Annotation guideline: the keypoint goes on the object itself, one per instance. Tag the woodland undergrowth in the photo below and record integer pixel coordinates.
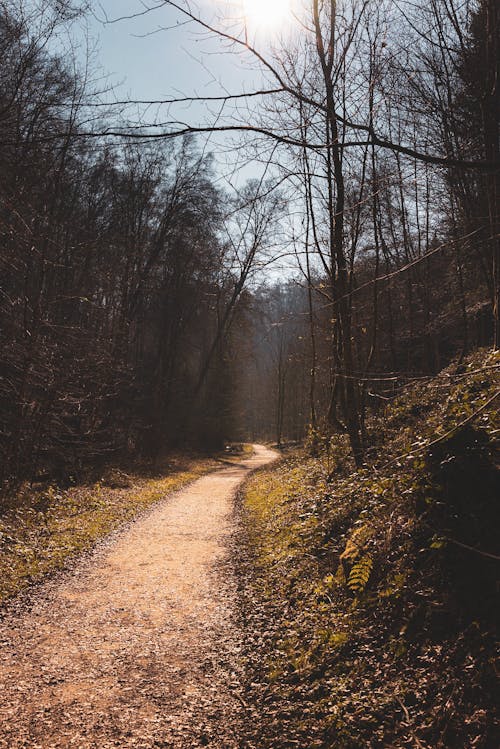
(369, 596)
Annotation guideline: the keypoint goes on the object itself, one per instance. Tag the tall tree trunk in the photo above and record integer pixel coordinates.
(341, 287)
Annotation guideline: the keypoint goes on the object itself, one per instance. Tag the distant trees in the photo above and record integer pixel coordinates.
(274, 382)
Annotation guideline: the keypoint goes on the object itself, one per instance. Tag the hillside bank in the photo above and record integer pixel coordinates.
(369, 595)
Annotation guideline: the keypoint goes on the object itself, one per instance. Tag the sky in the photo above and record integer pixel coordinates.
(151, 62)
(156, 55)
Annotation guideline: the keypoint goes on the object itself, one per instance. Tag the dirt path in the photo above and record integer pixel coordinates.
(137, 645)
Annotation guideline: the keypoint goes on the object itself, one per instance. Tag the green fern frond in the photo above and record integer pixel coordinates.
(360, 574)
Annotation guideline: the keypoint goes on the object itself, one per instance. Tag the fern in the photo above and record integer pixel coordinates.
(360, 574)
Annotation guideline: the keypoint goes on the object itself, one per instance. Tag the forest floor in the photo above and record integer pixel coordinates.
(370, 596)
(136, 645)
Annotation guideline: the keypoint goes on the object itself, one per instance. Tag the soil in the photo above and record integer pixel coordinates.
(138, 645)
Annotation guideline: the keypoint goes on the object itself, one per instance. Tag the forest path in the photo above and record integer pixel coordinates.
(137, 645)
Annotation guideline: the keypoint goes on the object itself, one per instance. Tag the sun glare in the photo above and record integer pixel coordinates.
(267, 14)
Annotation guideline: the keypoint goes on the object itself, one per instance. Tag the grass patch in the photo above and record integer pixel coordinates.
(369, 600)
(42, 530)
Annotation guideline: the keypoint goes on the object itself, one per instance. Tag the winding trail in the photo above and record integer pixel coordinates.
(137, 646)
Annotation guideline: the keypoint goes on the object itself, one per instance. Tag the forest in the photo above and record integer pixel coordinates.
(137, 311)
(341, 303)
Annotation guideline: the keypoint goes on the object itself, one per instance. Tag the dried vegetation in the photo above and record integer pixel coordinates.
(369, 595)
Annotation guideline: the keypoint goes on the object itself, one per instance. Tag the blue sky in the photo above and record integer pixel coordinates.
(153, 63)
(145, 61)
